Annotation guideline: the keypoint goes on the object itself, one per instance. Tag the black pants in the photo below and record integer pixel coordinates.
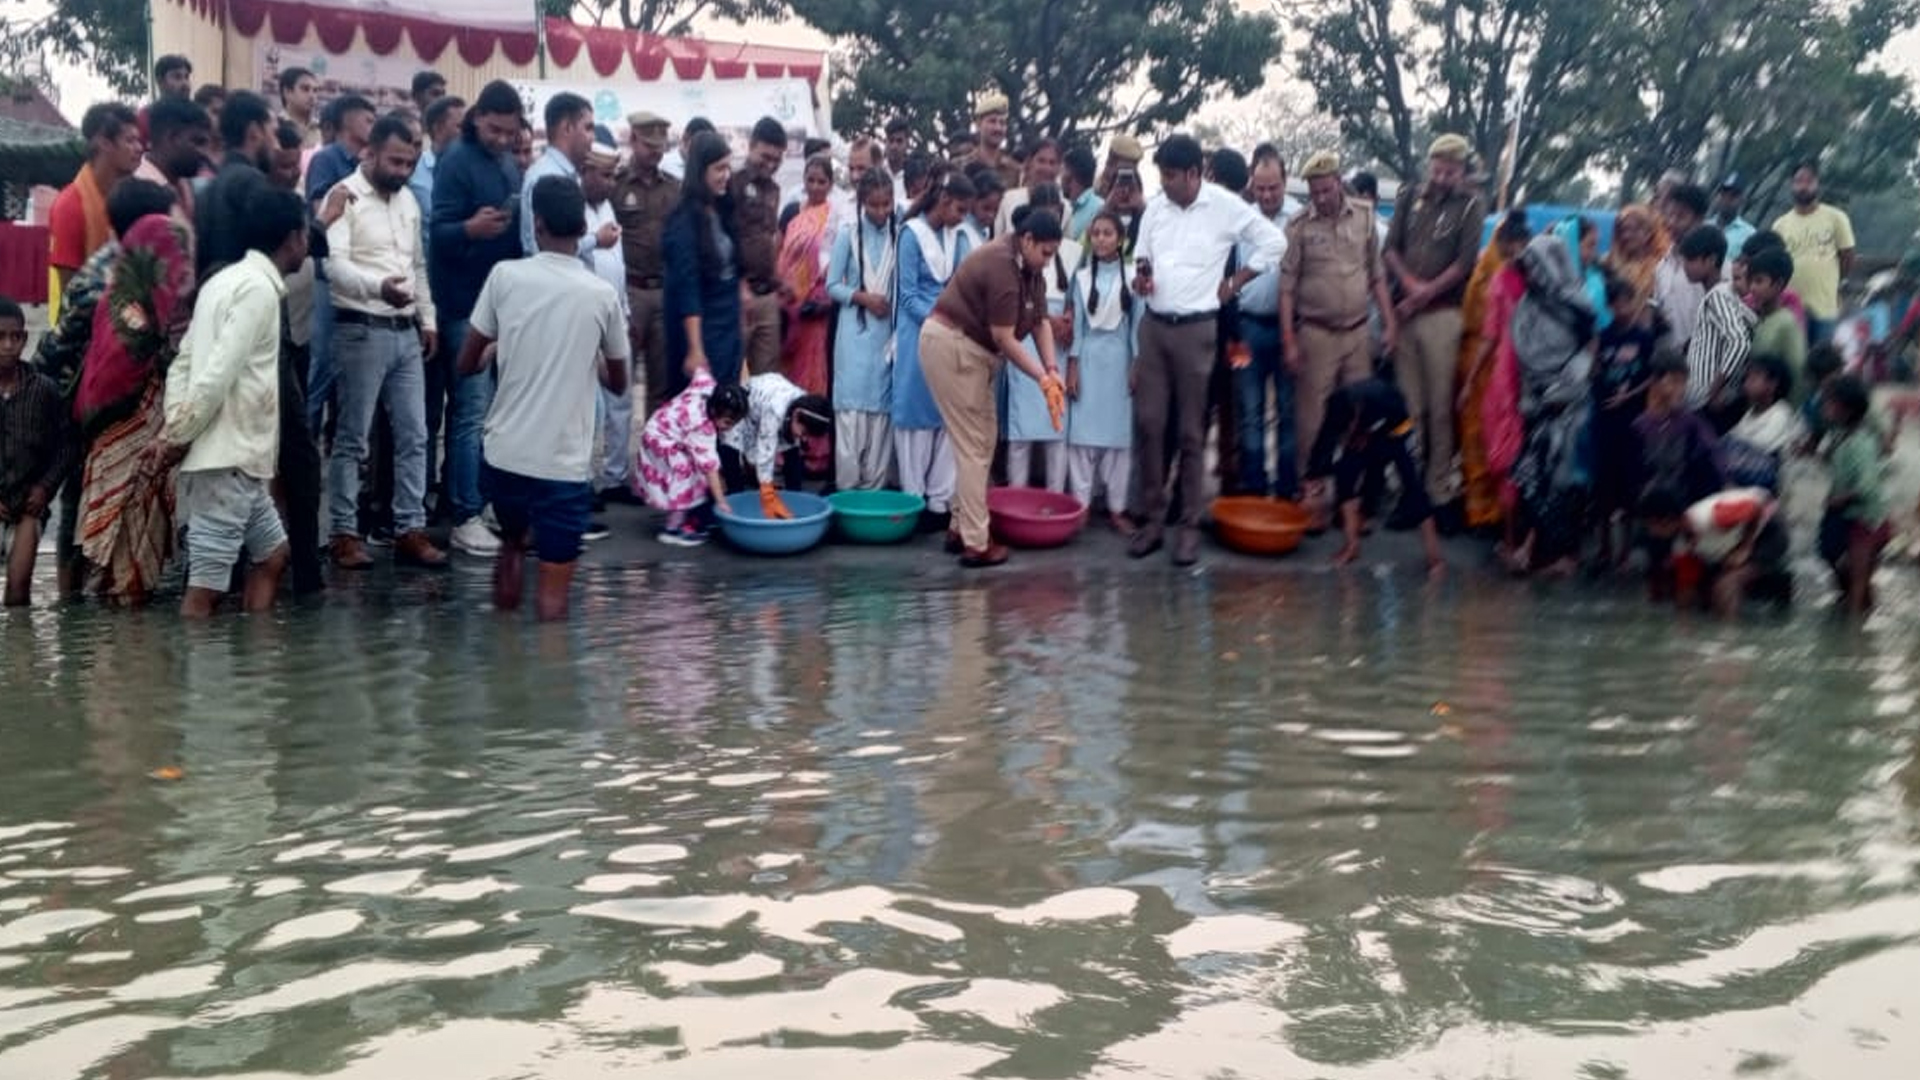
(1361, 471)
(299, 473)
(734, 473)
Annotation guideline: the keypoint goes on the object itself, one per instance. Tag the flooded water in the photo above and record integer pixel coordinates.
(1084, 823)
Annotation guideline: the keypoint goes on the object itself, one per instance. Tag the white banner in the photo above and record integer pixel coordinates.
(387, 81)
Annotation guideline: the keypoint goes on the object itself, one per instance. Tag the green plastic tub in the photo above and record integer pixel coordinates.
(876, 517)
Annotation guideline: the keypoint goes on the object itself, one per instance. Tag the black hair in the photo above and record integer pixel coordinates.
(818, 161)
(424, 81)
(107, 119)
(559, 204)
(1367, 186)
(1811, 165)
(1760, 241)
(1776, 371)
(132, 199)
(169, 116)
(1823, 360)
(1772, 263)
(389, 127)
(770, 132)
(169, 64)
(1266, 152)
(291, 77)
(1662, 501)
(287, 136)
(437, 113)
(1079, 163)
(269, 216)
(1693, 197)
(1044, 142)
(1119, 260)
(1848, 394)
(946, 181)
(1230, 170)
(243, 110)
(338, 108)
(965, 138)
(874, 180)
(205, 97)
(916, 167)
(1043, 226)
(1041, 196)
(11, 309)
(985, 181)
(812, 148)
(1586, 226)
(814, 412)
(563, 107)
(695, 126)
(1618, 288)
(497, 98)
(899, 125)
(706, 149)
(728, 402)
(1179, 152)
(1514, 229)
(1704, 242)
(1667, 360)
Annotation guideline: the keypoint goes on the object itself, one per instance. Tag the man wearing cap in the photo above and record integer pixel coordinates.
(1187, 234)
(642, 200)
(990, 120)
(1329, 276)
(1123, 152)
(1726, 215)
(608, 261)
(1127, 198)
(756, 209)
(1431, 248)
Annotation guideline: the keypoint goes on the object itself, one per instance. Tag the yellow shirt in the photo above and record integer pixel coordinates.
(1815, 240)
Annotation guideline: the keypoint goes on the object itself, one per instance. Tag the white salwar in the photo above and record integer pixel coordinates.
(926, 466)
(862, 449)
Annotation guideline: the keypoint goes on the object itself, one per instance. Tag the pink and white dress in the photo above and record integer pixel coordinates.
(678, 448)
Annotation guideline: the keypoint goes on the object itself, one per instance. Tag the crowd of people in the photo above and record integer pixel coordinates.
(420, 317)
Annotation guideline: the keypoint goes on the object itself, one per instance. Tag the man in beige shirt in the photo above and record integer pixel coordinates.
(383, 327)
(1329, 275)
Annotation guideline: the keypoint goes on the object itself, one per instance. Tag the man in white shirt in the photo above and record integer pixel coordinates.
(1186, 235)
(609, 263)
(1678, 295)
(559, 334)
(223, 411)
(384, 327)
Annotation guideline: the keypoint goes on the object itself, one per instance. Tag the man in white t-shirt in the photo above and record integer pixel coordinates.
(554, 331)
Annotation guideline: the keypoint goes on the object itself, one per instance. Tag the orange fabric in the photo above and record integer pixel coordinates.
(1639, 272)
(1481, 486)
(77, 224)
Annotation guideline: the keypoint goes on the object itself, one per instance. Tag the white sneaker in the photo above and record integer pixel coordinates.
(473, 537)
(487, 518)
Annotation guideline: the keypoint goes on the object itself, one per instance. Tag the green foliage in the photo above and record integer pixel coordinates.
(1069, 67)
(659, 16)
(109, 36)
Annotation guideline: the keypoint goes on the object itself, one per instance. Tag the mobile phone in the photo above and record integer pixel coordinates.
(1143, 267)
(506, 206)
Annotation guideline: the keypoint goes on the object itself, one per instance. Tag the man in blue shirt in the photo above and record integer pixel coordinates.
(476, 203)
(352, 118)
(569, 140)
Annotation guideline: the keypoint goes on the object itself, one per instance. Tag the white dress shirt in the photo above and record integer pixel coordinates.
(1189, 245)
(376, 239)
(609, 263)
(223, 389)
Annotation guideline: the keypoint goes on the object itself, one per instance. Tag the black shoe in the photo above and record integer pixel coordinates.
(1451, 519)
(931, 522)
(599, 503)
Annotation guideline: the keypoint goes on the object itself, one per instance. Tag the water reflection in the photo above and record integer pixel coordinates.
(1084, 824)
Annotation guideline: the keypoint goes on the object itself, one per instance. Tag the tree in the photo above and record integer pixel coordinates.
(110, 36)
(1068, 67)
(1284, 116)
(659, 16)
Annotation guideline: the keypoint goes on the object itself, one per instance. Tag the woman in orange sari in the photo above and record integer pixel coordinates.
(1482, 488)
(1639, 243)
(804, 250)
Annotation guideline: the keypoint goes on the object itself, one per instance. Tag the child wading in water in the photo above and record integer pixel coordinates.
(1621, 373)
(1367, 431)
(679, 464)
(35, 449)
(1100, 419)
(1855, 529)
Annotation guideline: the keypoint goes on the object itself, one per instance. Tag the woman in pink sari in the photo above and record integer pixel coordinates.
(1500, 425)
(804, 249)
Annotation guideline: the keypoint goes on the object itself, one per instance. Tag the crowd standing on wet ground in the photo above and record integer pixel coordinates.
(427, 324)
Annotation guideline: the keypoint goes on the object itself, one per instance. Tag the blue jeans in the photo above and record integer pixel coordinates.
(321, 370)
(378, 366)
(1820, 331)
(472, 397)
(1250, 392)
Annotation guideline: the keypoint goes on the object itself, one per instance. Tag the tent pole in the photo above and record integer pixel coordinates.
(540, 35)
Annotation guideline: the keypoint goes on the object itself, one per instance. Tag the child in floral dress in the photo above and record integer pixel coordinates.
(679, 461)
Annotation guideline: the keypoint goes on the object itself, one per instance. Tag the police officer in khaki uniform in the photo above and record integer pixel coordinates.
(990, 123)
(1123, 152)
(641, 203)
(1329, 275)
(1431, 248)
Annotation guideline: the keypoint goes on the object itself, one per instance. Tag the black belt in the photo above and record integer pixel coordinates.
(378, 322)
(1182, 320)
(1331, 328)
(646, 282)
(1272, 321)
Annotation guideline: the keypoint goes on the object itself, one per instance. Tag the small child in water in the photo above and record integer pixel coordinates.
(1367, 431)
(679, 462)
(1855, 529)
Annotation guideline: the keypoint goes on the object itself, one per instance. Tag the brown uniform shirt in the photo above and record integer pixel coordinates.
(1432, 234)
(641, 204)
(1007, 170)
(1331, 265)
(991, 288)
(756, 220)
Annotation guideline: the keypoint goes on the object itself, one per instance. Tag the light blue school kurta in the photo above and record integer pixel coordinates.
(913, 405)
(1102, 416)
(1027, 419)
(862, 379)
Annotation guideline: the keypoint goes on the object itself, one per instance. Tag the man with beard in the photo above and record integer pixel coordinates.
(182, 144)
(383, 325)
(899, 147)
(990, 121)
(1820, 239)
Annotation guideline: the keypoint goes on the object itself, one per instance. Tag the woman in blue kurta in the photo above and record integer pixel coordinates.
(1028, 425)
(931, 246)
(702, 298)
(1100, 418)
(860, 280)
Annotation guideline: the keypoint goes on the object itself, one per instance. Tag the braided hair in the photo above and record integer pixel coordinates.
(874, 181)
(1119, 261)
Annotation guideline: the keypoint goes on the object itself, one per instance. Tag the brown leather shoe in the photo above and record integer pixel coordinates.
(349, 553)
(414, 549)
(1145, 542)
(991, 555)
(1186, 547)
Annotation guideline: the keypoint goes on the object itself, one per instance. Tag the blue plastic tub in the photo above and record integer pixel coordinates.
(746, 528)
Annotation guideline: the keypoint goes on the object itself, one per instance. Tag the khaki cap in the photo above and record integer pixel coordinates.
(1451, 148)
(991, 103)
(1125, 148)
(1321, 163)
(643, 121)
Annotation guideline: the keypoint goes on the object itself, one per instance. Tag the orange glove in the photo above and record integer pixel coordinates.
(1239, 355)
(1056, 392)
(772, 506)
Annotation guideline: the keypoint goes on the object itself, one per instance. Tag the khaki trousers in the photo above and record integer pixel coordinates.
(1426, 365)
(1329, 360)
(647, 334)
(760, 332)
(1175, 368)
(960, 374)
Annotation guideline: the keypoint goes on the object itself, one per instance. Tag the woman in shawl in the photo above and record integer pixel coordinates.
(1028, 426)
(1490, 390)
(1582, 238)
(861, 280)
(931, 246)
(126, 509)
(702, 297)
(1639, 243)
(802, 270)
(1552, 339)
